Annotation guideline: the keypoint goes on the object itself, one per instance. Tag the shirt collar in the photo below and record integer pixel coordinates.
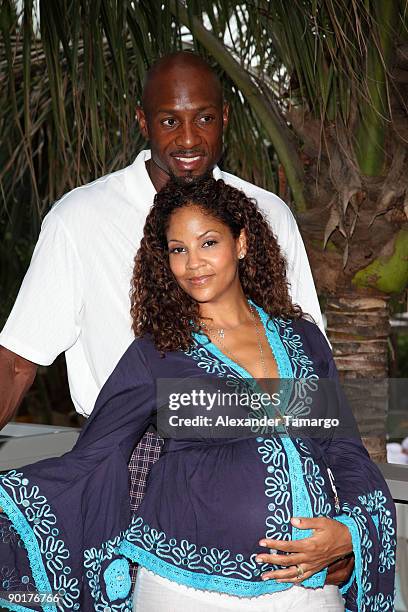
(142, 174)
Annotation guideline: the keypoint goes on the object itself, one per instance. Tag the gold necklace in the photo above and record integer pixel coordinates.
(221, 333)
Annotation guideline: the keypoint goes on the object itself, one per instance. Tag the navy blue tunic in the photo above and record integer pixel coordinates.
(69, 530)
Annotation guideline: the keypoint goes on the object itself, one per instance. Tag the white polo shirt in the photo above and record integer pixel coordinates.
(75, 295)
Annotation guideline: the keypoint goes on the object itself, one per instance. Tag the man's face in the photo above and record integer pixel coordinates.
(184, 119)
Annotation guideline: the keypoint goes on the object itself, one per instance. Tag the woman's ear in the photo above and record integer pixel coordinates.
(242, 246)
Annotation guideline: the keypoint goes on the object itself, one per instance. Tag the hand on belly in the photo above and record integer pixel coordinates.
(330, 541)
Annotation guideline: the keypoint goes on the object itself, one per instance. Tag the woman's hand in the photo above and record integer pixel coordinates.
(330, 541)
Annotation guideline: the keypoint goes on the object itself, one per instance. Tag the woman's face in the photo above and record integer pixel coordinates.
(203, 254)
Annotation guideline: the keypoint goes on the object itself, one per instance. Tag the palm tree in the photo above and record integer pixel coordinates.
(318, 114)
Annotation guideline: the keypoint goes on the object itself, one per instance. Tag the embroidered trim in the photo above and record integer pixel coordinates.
(315, 483)
(34, 522)
(93, 561)
(8, 605)
(375, 504)
(208, 363)
(29, 540)
(206, 582)
(372, 502)
(281, 356)
(278, 484)
(284, 343)
(190, 556)
(349, 522)
(222, 358)
(301, 364)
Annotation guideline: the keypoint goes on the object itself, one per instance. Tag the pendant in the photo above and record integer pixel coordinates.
(221, 333)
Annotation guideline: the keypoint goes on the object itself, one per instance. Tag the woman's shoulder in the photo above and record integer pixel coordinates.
(308, 332)
(143, 348)
(138, 358)
(306, 325)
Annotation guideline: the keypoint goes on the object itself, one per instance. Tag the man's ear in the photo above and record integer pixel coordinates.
(142, 121)
(225, 115)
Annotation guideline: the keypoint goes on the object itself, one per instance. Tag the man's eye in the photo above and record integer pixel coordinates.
(210, 242)
(206, 119)
(169, 122)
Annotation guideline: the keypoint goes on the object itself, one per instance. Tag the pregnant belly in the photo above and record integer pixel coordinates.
(213, 495)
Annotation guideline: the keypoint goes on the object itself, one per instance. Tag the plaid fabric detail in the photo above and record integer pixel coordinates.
(144, 456)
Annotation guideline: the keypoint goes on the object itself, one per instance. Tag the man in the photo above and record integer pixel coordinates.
(75, 295)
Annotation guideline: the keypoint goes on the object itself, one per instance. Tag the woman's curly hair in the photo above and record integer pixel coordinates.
(158, 304)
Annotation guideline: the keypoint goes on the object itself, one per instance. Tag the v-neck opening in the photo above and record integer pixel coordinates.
(274, 342)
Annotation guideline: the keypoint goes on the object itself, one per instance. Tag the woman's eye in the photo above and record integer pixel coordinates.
(210, 242)
(169, 122)
(176, 250)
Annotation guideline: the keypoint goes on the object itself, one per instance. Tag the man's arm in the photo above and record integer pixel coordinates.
(16, 377)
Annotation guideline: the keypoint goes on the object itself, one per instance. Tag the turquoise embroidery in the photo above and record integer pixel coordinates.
(8, 605)
(315, 484)
(277, 488)
(286, 480)
(94, 560)
(117, 579)
(209, 582)
(376, 521)
(314, 481)
(224, 366)
(302, 366)
(35, 523)
(358, 564)
(281, 356)
(382, 603)
(184, 562)
(241, 588)
(374, 504)
(205, 361)
(284, 485)
(189, 556)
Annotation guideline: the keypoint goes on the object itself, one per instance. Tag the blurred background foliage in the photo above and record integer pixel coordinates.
(318, 92)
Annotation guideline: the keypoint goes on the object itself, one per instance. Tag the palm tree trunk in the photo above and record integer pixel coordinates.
(358, 328)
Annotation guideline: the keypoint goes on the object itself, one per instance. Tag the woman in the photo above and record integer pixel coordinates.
(209, 300)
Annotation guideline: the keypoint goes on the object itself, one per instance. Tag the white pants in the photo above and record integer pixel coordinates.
(156, 594)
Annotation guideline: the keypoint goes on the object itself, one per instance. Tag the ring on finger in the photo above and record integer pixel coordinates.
(300, 572)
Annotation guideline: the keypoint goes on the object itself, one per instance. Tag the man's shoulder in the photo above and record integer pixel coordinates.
(93, 206)
(267, 201)
(93, 193)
